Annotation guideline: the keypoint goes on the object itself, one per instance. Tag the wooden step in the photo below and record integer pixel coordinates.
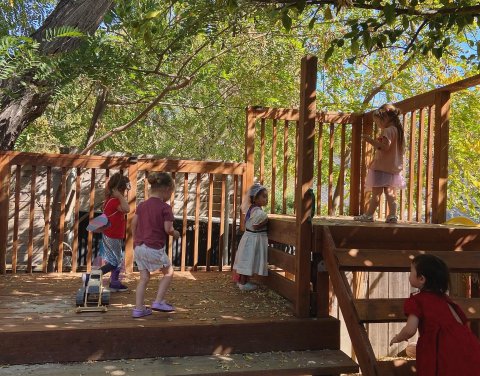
(322, 362)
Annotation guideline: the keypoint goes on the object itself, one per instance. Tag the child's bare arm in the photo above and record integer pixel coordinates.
(134, 225)
(168, 226)
(407, 331)
(123, 207)
(383, 144)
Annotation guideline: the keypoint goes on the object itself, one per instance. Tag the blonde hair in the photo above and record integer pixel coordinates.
(390, 112)
(160, 180)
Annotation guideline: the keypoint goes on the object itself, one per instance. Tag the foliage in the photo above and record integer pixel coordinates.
(413, 26)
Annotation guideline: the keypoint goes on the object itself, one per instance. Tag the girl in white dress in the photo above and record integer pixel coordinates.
(251, 257)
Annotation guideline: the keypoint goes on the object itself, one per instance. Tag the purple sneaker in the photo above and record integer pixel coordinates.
(137, 313)
(116, 286)
(162, 306)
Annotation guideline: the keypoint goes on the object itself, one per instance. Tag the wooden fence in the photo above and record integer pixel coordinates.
(35, 186)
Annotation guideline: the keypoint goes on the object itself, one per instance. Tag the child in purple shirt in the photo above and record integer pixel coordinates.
(152, 222)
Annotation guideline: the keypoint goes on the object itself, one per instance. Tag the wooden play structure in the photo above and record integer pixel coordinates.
(320, 260)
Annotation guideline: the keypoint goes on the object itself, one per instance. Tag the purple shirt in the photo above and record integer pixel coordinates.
(152, 215)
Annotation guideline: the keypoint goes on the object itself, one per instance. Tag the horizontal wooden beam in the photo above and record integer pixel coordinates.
(282, 229)
(281, 285)
(393, 260)
(281, 260)
(290, 114)
(391, 309)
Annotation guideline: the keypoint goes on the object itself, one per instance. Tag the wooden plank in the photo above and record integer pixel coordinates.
(18, 180)
(262, 151)
(355, 168)
(188, 166)
(184, 222)
(221, 234)
(440, 163)
(330, 168)
(233, 251)
(170, 238)
(341, 177)
(61, 227)
(361, 344)
(391, 309)
(281, 260)
(31, 217)
(294, 115)
(400, 260)
(197, 221)
(274, 167)
(429, 167)
(91, 214)
(303, 200)
(282, 230)
(319, 167)
(285, 168)
(411, 164)
(4, 208)
(76, 215)
(209, 225)
(421, 142)
(46, 232)
(281, 285)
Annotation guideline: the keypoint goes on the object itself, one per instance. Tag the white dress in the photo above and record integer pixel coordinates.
(251, 257)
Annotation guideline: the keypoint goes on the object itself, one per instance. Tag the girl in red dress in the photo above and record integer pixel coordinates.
(446, 346)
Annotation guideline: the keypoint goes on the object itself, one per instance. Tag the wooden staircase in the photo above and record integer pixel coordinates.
(390, 249)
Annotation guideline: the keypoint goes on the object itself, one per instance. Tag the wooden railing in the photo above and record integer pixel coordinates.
(35, 185)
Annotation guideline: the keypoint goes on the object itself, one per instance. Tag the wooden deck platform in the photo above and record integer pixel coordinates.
(38, 322)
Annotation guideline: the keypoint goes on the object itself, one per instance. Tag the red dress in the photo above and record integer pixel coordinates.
(445, 347)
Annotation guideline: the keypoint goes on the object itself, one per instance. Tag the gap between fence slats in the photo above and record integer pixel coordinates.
(429, 168)
(91, 214)
(234, 222)
(285, 167)
(421, 137)
(184, 222)
(221, 236)
(170, 238)
(274, 166)
(330, 168)
(46, 232)
(76, 221)
(61, 232)
(319, 167)
(197, 221)
(209, 227)
(411, 165)
(262, 151)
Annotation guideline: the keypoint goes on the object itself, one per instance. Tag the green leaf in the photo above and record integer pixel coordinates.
(389, 11)
(328, 53)
(367, 40)
(286, 21)
(311, 24)
(152, 14)
(354, 47)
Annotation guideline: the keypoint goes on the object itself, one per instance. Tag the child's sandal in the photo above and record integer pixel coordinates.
(363, 218)
(391, 219)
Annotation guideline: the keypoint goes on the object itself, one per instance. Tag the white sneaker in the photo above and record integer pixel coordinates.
(247, 286)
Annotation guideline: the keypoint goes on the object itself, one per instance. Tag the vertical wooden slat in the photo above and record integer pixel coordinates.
(421, 136)
(76, 220)
(341, 179)
(145, 185)
(262, 152)
(197, 221)
(303, 200)
(285, 168)
(31, 218)
(18, 178)
(440, 163)
(234, 221)
(249, 153)
(184, 222)
(411, 165)
(296, 166)
(132, 204)
(91, 214)
(61, 231)
(170, 238)
(4, 209)
(274, 166)
(402, 192)
(367, 155)
(355, 168)
(209, 226)
(221, 237)
(330, 169)
(319, 167)
(46, 231)
(429, 172)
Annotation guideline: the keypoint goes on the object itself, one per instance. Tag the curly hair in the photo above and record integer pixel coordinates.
(390, 112)
(117, 181)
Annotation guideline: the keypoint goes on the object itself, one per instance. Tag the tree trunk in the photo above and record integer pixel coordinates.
(23, 100)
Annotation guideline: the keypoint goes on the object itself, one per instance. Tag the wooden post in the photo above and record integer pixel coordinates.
(132, 197)
(303, 201)
(249, 175)
(4, 199)
(355, 176)
(440, 157)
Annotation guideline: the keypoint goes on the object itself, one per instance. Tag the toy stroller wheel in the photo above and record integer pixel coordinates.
(105, 297)
(80, 299)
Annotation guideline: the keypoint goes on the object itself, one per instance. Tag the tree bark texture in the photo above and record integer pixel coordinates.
(23, 99)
